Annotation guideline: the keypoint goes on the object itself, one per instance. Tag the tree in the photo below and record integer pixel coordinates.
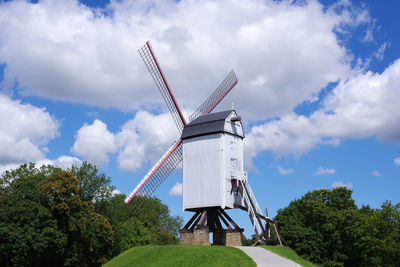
(249, 241)
(89, 234)
(55, 217)
(388, 234)
(326, 227)
(29, 234)
(94, 186)
(151, 225)
(45, 222)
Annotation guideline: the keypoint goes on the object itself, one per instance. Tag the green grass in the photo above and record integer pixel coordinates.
(182, 256)
(289, 254)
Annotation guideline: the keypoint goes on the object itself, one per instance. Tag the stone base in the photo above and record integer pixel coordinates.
(186, 237)
(234, 239)
(201, 236)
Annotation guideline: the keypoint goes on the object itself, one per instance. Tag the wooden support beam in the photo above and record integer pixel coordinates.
(264, 218)
(196, 222)
(218, 223)
(277, 233)
(251, 218)
(203, 218)
(211, 218)
(267, 232)
(254, 207)
(191, 220)
(225, 221)
(229, 219)
(239, 207)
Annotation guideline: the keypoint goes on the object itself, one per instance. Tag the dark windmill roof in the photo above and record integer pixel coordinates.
(207, 124)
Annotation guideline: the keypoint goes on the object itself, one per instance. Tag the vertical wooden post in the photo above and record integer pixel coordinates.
(277, 233)
(268, 232)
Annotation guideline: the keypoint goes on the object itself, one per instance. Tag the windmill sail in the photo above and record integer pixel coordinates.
(154, 178)
(216, 97)
(154, 68)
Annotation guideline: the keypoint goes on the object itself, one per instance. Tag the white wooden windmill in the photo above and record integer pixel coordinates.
(211, 147)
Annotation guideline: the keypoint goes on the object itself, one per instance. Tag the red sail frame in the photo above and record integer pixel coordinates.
(212, 101)
(150, 60)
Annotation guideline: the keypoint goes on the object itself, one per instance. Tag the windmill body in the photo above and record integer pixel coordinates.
(212, 161)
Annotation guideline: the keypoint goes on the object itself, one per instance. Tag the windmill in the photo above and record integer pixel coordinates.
(211, 148)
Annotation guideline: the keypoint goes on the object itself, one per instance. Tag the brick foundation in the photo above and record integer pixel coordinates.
(186, 237)
(201, 236)
(234, 239)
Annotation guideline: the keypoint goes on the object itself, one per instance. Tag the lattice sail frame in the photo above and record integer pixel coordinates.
(168, 162)
(149, 59)
(156, 176)
(222, 90)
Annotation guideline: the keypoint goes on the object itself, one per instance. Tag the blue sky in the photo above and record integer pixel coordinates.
(318, 89)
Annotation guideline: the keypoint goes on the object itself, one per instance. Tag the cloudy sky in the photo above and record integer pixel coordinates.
(319, 89)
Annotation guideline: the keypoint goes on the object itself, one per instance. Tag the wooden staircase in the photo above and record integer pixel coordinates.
(261, 224)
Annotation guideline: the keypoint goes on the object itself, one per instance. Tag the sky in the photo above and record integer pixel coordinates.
(319, 90)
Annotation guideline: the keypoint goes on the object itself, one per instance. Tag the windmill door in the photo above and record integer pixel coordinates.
(233, 168)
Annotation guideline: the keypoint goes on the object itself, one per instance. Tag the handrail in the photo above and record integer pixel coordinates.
(250, 211)
(258, 209)
(251, 202)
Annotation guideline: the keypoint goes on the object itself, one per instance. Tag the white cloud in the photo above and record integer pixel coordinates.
(341, 184)
(283, 171)
(363, 105)
(94, 143)
(381, 51)
(116, 192)
(176, 190)
(66, 162)
(64, 50)
(368, 37)
(63, 162)
(397, 161)
(144, 138)
(8, 167)
(377, 173)
(291, 134)
(325, 171)
(25, 130)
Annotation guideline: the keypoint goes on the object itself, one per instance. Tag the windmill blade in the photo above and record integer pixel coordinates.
(216, 97)
(154, 68)
(153, 179)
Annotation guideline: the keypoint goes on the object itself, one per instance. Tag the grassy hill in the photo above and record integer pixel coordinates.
(181, 256)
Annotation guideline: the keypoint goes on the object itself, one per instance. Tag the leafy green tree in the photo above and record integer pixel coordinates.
(29, 234)
(89, 234)
(388, 218)
(151, 225)
(45, 222)
(55, 217)
(156, 216)
(313, 225)
(249, 241)
(326, 227)
(94, 186)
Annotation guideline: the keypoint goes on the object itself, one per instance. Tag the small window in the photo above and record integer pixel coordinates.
(235, 164)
